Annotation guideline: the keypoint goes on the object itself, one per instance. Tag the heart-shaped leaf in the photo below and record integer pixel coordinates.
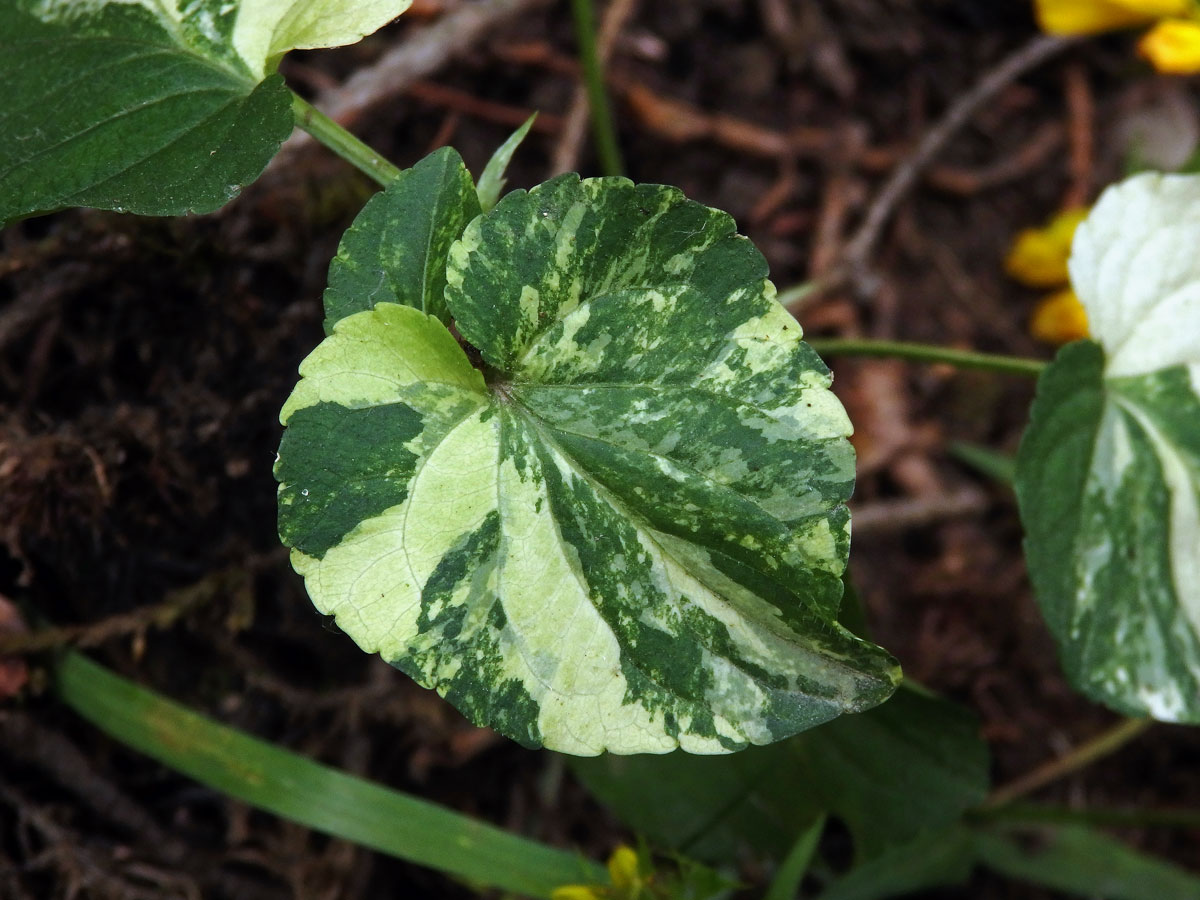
(1108, 476)
(627, 530)
(158, 107)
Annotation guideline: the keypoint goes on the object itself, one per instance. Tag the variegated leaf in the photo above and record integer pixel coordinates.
(1108, 475)
(626, 531)
(158, 107)
(395, 252)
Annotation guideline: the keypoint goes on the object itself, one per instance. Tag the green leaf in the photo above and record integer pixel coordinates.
(933, 859)
(786, 883)
(138, 123)
(395, 252)
(492, 181)
(631, 535)
(304, 791)
(158, 107)
(1108, 475)
(1086, 862)
(714, 808)
(914, 764)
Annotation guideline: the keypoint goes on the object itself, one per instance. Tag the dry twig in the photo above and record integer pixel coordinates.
(854, 267)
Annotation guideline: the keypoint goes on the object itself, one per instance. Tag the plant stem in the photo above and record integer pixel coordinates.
(603, 130)
(342, 142)
(1082, 756)
(928, 353)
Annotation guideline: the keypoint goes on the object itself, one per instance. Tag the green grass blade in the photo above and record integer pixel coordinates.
(786, 884)
(314, 795)
(985, 461)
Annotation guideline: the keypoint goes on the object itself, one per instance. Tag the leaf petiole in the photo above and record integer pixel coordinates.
(342, 142)
(928, 353)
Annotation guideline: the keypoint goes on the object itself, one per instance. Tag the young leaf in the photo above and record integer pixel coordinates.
(157, 107)
(1108, 474)
(630, 536)
(395, 252)
(492, 181)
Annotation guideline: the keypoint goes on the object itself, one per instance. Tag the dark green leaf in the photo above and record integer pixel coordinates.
(934, 859)
(914, 764)
(1086, 862)
(395, 252)
(117, 115)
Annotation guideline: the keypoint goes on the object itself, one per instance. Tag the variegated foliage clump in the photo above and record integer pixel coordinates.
(612, 515)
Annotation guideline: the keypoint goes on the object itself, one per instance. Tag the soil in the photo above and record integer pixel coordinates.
(143, 363)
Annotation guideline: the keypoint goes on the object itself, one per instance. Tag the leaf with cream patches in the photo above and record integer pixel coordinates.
(627, 531)
(160, 107)
(395, 252)
(1108, 476)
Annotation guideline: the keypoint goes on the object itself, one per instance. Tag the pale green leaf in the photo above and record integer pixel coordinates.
(1108, 476)
(630, 535)
(492, 180)
(266, 29)
(395, 252)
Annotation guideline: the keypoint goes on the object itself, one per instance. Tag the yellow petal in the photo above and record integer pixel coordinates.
(1039, 255)
(1173, 46)
(623, 870)
(575, 892)
(1094, 16)
(1059, 319)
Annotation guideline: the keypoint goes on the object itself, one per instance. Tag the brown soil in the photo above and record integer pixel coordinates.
(143, 363)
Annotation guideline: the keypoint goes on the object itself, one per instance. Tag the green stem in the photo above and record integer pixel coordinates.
(342, 142)
(603, 130)
(928, 353)
(1081, 757)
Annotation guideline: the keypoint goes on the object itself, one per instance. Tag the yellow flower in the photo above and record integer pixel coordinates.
(1039, 255)
(1039, 259)
(1095, 16)
(575, 892)
(624, 875)
(1173, 46)
(1058, 319)
(623, 871)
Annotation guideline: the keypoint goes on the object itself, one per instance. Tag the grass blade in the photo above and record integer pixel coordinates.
(323, 798)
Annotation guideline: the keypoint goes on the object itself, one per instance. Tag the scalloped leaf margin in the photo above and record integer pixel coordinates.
(1108, 475)
(625, 531)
